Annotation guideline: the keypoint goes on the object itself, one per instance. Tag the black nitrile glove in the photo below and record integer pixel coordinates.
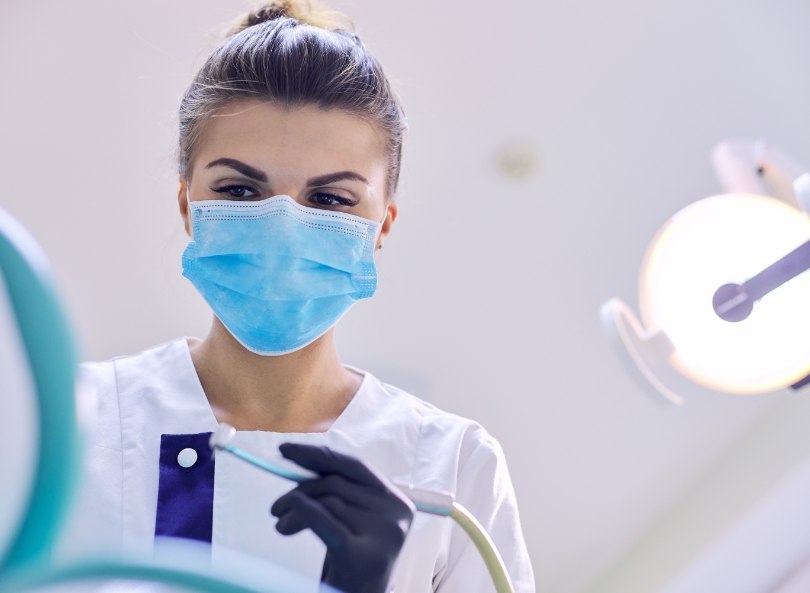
(361, 518)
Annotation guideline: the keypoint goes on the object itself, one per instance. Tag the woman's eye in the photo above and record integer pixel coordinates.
(238, 192)
(326, 199)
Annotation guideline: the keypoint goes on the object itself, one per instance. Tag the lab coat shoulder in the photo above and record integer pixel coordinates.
(448, 444)
(458, 455)
(484, 484)
(485, 489)
(99, 382)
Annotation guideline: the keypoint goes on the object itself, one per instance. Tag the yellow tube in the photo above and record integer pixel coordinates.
(486, 548)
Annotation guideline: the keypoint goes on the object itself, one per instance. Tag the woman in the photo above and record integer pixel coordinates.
(289, 156)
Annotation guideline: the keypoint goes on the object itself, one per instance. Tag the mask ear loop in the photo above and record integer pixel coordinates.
(188, 222)
(382, 222)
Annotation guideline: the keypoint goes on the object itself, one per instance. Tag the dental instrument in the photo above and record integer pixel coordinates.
(435, 503)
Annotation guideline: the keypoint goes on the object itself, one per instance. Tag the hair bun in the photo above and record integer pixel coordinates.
(303, 11)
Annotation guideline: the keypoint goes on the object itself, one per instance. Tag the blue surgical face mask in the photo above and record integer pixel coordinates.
(279, 275)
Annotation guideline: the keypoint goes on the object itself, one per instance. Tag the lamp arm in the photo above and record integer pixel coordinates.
(787, 179)
(735, 302)
(779, 272)
(754, 167)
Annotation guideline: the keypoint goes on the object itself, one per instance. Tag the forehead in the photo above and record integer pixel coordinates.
(303, 139)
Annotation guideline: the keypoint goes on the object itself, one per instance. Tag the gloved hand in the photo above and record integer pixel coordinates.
(359, 515)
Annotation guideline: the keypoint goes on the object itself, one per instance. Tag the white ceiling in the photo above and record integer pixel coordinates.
(490, 286)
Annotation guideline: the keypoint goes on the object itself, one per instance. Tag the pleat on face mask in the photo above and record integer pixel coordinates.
(279, 275)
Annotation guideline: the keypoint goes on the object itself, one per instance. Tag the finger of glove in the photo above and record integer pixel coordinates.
(358, 520)
(357, 495)
(355, 519)
(351, 503)
(324, 461)
(382, 528)
(289, 524)
(354, 515)
(310, 514)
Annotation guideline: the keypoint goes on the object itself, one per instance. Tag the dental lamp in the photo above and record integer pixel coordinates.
(724, 301)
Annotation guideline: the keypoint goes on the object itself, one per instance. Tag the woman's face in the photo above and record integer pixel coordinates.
(252, 150)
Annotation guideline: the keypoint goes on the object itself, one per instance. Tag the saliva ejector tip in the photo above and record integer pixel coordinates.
(221, 436)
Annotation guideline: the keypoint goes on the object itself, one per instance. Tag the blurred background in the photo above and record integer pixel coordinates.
(548, 141)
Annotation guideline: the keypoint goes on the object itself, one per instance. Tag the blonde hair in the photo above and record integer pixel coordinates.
(305, 12)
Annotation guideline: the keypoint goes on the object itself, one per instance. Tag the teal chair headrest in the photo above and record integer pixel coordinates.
(46, 345)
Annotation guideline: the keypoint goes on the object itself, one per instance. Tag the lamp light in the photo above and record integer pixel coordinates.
(722, 295)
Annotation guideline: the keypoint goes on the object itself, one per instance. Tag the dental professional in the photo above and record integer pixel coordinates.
(290, 139)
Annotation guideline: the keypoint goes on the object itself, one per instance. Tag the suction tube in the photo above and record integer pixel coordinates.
(433, 503)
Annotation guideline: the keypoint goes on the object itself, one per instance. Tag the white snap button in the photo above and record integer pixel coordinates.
(187, 457)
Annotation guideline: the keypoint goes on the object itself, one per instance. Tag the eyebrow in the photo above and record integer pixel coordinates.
(335, 177)
(243, 168)
(258, 175)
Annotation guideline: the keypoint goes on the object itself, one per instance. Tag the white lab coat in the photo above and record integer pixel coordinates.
(412, 442)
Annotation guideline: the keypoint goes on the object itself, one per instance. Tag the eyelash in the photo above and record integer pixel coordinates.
(338, 200)
(228, 188)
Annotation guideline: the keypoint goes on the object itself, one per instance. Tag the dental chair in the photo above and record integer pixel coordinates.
(42, 454)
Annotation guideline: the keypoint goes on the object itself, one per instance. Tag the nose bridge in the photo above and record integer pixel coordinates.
(287, 185)
(286, 190)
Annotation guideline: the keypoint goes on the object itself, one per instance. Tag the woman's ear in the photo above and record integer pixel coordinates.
(387, 223)
(182, 202)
